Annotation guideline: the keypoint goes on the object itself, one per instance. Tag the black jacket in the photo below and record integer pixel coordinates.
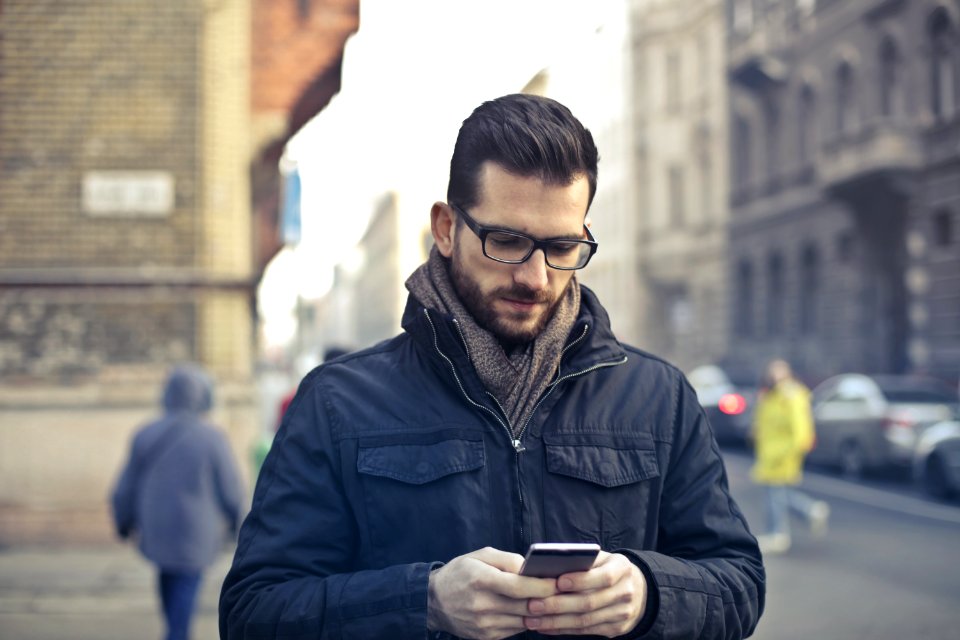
(395, 459)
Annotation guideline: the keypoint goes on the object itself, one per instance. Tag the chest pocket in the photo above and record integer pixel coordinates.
(424, 501)
(606, 492)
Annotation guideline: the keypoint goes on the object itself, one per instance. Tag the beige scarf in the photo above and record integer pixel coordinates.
(516, 380)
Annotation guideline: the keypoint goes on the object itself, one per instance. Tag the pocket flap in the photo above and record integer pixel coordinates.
(606, 466)
(421, 463)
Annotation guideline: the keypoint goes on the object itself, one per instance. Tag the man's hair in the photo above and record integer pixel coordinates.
(526, 135)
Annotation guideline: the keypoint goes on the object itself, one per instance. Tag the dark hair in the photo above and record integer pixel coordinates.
(526, 135)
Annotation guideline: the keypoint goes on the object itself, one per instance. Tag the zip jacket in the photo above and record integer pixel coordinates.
(395, 459)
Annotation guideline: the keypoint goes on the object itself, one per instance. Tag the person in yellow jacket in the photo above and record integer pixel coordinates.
(783, 434)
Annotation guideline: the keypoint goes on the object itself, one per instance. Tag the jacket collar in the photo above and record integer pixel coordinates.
(597, 344)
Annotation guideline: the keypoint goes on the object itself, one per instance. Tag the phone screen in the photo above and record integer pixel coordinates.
(552, 559)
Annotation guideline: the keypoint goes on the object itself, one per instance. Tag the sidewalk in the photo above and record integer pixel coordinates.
(92, 594)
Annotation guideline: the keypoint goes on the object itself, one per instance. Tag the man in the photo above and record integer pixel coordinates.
(409, 478)
(783, 435)
(181, 493)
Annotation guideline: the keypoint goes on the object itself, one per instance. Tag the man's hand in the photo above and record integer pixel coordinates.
(608, 600)
(480, 595)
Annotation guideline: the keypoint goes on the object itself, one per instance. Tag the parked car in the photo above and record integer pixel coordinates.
(936, 460)
(728, 405)
(867, 423)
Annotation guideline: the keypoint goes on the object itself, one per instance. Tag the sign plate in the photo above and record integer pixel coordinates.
(135, 193)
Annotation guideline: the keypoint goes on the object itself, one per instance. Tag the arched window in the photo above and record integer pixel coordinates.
(775, 295)
(809, 289)
(846, 98)
(743, 322)
(890, 104)
(772, 137)
(742, 158)
(943, 228)
(942, 70)
(807, 129)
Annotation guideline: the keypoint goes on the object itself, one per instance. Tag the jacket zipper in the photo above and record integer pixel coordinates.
(504, 422)
(453, 370)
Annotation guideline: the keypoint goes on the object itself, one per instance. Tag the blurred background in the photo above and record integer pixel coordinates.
(247, 183)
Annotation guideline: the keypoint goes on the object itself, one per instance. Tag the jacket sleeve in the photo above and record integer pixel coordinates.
(706, 574)
(229, 487)
(292, 576)
(123, 499)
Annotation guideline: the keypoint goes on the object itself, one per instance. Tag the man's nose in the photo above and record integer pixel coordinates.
(533, 272)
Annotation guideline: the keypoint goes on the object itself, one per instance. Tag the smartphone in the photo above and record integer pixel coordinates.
(552, 559)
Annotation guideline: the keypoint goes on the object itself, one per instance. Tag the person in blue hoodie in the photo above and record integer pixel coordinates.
(180, 494)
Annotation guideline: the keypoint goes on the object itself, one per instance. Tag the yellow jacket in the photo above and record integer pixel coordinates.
(783, 433)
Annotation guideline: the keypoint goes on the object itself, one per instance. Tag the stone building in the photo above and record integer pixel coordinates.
(680, 128)
(127, 236)
(846, 184)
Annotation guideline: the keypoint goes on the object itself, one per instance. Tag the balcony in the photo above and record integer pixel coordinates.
(881, 158)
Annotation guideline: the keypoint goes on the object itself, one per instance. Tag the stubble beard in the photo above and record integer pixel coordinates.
(509, 332)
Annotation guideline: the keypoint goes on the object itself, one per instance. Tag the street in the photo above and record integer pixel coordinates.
(888, 568)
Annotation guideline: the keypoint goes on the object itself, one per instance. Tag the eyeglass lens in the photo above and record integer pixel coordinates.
(501, 245)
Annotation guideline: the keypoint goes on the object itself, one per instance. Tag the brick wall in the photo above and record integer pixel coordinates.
(95, 306)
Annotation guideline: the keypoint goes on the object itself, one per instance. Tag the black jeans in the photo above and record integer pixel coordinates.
(178, 595)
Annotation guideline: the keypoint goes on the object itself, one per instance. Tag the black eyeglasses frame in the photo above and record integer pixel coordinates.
(481, 231)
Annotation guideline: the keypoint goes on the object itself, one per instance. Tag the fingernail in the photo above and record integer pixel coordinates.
(565, 584)
(536, 606)
(532, 623)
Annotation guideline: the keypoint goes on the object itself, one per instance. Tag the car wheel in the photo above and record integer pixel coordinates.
(852, 462)
(935, 478)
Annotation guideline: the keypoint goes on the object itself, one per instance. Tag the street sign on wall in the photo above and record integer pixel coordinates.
(131, 193)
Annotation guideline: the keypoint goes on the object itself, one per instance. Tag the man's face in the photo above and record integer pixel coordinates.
(515, 301)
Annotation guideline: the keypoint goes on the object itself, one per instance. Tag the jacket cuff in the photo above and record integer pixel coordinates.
(653, 596)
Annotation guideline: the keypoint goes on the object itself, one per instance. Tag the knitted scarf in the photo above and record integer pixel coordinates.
(518, 379)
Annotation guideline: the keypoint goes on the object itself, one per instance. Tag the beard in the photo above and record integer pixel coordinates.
(510, 330)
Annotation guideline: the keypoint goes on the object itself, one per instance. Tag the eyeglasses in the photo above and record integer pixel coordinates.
(513, 247)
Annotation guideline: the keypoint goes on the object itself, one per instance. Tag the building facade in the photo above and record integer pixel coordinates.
(680, 168)
(846, 185)
(125, 240)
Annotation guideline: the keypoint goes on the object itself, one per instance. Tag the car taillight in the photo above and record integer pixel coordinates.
(732, 404)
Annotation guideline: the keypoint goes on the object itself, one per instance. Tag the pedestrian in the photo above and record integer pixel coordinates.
(180, 494)
(409, 478)
(260, 448)
(783, 434)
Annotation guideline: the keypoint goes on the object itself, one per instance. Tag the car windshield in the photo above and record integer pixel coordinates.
(917, 393)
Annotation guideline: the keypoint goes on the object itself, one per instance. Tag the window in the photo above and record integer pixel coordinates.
(807, 126)
(846, 245)
(846, 106)
(943, 89)
(678, 212)
(673, 80)
(706, 185)
(943, 229)
(809, 289)
(303, 9)
(772, 137)
(889, 78)
(743, 322)
(743, 16)
(775, 295)
(741, 152)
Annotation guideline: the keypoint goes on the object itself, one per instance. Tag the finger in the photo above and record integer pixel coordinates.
(617, 619)
(608, 570)
(502, 560)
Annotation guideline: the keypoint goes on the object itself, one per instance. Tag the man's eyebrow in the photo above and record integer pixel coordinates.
(566, 236)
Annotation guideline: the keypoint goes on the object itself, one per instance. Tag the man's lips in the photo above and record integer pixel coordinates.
(520, 305)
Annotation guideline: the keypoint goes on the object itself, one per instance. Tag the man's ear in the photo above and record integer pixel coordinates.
(443, 225)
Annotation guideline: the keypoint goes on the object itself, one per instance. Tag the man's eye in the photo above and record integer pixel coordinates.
(506, 241)
(564, 248)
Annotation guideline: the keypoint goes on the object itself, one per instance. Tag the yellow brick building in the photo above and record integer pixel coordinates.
(125, 240)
